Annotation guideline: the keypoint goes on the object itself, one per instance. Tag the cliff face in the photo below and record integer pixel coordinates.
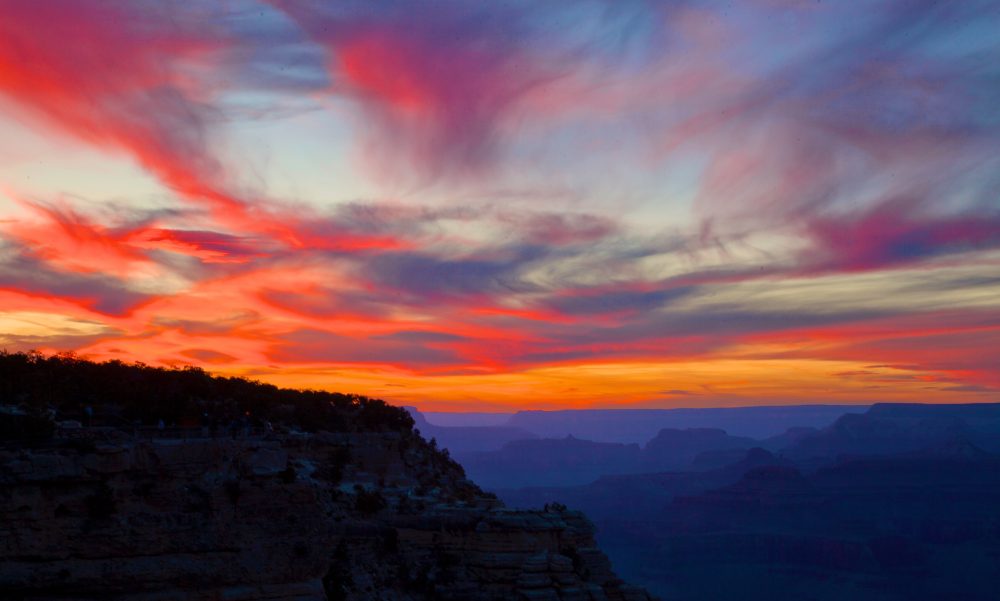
(102, 514)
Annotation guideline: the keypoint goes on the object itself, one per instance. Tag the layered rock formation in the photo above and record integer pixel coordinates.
(101, 513)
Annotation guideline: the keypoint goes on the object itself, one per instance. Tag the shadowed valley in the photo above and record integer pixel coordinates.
(891, 502)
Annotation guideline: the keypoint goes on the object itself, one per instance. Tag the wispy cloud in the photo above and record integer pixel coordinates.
(605, 193)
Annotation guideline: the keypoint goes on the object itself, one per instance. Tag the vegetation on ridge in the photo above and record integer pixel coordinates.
(119, 393)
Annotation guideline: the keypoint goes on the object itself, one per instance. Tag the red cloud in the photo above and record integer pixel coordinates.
(72, 242)
(111, 75)
(957, 346)
(121, 76)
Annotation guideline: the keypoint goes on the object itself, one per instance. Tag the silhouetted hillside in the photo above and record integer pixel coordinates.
(116, 482)
(125, 394)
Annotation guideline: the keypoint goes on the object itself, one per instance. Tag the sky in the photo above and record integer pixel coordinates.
(493, 206)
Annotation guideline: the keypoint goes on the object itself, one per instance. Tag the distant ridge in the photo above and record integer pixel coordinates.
(467, 439)
(897, 428)
(641, 425)
(965, 410)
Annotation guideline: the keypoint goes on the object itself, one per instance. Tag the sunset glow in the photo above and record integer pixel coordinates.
(496, 206)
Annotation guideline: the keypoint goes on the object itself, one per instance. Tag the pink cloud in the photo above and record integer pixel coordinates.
(895, 233)
(437, 88)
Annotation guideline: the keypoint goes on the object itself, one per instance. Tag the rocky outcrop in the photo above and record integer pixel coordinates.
(99, 513)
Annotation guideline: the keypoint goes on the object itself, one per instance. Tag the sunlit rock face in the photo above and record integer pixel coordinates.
(99, 513)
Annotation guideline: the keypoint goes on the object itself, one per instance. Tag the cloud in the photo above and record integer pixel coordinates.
(609, 300)
(207, 246)
(437, 88)
(70, 241)
(135, 83)
(559, 229)
(327, 302)
(830, 199)
(429, 278)
(893, 234)
(194, 327)
(897, 108)
(319, 346)
(420, 337)
(25, 274)
(973, 388)
(209, 356)
(122, 85)
(37, 330)
(945, 346)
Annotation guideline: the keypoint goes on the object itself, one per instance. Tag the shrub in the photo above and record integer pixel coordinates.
(140, 392)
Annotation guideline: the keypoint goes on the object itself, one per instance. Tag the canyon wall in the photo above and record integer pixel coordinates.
(103, 513)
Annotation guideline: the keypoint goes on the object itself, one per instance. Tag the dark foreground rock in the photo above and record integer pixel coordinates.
(100, 514)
